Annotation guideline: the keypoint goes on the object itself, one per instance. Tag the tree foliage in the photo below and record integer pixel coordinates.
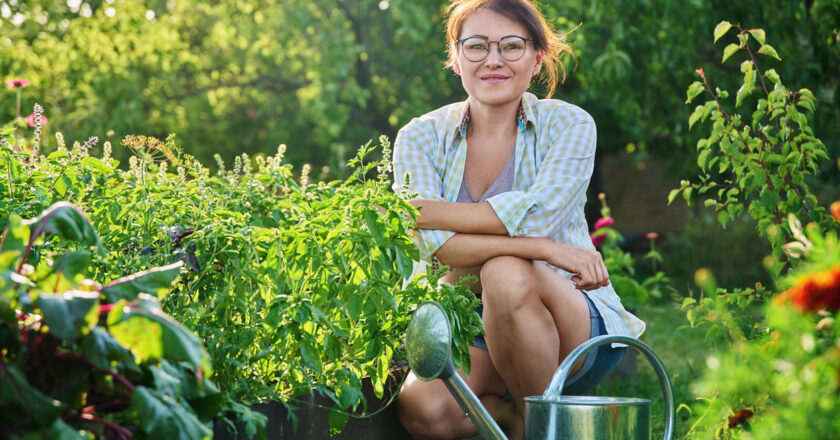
(327, 75)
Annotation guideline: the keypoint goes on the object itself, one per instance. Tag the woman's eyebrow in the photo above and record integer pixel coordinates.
(487, 38)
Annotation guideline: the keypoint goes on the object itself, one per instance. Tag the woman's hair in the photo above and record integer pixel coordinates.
(552, 44)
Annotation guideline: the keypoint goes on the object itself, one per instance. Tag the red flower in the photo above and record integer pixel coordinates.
(814, 291)
(30, 120)
(604, 222)
(700, 72)
(17, 82)
(652, 235)
(741, 416)
(835, 210)
(598, 239)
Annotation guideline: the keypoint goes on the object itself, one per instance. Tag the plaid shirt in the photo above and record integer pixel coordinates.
(555, 154)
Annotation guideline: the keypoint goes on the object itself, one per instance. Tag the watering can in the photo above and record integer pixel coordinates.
(552, 415)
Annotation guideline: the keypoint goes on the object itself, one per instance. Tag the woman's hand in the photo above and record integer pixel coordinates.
(588, 268)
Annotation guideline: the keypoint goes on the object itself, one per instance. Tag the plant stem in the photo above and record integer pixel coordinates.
(110, 425)
(105, 389)
(9, 175)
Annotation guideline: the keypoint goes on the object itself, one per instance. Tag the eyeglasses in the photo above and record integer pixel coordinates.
(511, 48)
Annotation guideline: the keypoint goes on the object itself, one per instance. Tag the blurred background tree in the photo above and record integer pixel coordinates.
(324, 76)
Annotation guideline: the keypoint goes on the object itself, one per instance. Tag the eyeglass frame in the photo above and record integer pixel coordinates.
(498, 48)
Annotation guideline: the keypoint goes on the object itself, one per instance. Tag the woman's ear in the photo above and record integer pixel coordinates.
(456, 67)
(538, 63)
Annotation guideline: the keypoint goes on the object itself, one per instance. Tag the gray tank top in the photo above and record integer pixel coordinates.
(503, 183)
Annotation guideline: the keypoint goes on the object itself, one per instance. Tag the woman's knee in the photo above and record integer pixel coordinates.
(508, 283)
(424, 412)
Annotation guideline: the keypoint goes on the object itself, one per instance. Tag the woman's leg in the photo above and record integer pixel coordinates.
(533, 318)
(428, 411)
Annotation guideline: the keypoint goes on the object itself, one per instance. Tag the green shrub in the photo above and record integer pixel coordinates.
(293, 286)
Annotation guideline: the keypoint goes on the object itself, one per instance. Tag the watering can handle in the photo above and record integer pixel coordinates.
(555, 388)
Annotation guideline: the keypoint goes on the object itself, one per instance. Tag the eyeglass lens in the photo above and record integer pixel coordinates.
(510, 48)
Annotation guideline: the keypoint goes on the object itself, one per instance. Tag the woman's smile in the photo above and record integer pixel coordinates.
(494, 78)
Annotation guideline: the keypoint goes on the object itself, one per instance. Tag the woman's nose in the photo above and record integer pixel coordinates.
(494, 58)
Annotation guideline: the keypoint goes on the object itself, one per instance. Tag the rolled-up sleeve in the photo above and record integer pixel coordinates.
(559, 188)
(415, 175)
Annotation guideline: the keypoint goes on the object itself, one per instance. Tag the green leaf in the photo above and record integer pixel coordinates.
(372, 350)
(702, 158)
(404, 263)
(769, 200)
(96, 164)
(101, 349)
(758, 34)
(721, 29)
(687, 195)
(17, 235)
(694, 89)
(354, 305)
(375, 227)
(168, 338)
(768, 50)
(729, 50)
(673, 195)
(155, 282)
(743, 92)
(74, 265)
(59, 430)
(772, 76)
(59, 154)
(700, 112)
(20, 401)
(68, 222)
(137, 333)
(338, 420)
(723, 218)
(70, 314)
(311, 356)
(161, 416)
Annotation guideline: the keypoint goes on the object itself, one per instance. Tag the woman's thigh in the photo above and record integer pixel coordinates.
(532, 306)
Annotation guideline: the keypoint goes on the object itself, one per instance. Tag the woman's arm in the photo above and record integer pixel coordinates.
(469, 250)
(467, 218)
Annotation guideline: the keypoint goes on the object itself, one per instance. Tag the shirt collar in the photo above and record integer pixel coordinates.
(523, 116)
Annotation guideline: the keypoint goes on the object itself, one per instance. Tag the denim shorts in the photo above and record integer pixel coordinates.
(597, 364)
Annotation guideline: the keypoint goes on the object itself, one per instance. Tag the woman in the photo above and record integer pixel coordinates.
(500, 182)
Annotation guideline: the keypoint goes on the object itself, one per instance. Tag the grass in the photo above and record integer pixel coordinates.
(682, 349)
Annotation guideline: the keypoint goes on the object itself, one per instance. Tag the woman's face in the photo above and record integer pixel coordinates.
(495, 80)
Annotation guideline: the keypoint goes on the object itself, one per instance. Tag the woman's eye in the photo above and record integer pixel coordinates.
(476, 47)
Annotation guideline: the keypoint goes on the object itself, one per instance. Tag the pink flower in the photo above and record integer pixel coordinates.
(598, 239)
(30, 120)
(603, 222)
(17, 82)
(105, 308)
(652, 235)
(700, 71)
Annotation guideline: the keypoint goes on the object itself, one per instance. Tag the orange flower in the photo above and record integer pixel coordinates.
(814, 292)
(835, 210)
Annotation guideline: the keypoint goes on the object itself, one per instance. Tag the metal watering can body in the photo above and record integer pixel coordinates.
(554, 416)
(550, 416)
